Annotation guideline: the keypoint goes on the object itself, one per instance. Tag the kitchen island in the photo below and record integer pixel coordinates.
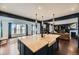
(37, 45)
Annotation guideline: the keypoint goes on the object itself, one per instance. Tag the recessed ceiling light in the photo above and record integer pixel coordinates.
(39, 8)
(72, 9)
(3, 7)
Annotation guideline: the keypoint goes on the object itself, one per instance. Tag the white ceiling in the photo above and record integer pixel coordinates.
(46, 9)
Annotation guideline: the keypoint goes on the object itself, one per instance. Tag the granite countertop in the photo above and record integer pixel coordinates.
(36, 42)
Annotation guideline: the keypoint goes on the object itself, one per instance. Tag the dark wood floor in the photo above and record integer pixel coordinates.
(68, 47)
(65, 48)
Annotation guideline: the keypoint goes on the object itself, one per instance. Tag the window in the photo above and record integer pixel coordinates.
(18, 30)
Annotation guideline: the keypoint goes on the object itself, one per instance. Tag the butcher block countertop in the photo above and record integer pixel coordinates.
(36, 42)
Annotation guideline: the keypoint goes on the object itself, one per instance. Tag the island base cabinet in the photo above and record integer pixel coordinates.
(42, 51)
(20, 48)
(27, 51)
(24, 50)
(53, 48)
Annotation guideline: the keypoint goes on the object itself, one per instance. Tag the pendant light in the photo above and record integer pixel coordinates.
(53, 22)
(42, 28)
(42, 20)
(36, 23)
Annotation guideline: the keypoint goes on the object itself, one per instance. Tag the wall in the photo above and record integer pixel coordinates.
(66, 21)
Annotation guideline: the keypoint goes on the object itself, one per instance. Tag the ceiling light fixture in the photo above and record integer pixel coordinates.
(36, 23)
(72, 9)
(39, 8)
(36, 18)
(53, 22)
(42, 28)
(42, 20)
(53, 18)
(3, 7)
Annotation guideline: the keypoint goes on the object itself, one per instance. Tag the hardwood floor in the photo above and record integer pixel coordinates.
(66, 48)
(10, 48)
